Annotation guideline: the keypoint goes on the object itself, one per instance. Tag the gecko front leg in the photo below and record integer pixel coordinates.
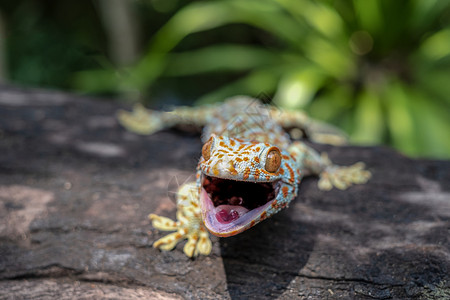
(188, 226)
(330, 175)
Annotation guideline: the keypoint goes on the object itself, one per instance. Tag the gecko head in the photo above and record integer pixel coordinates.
(243, 183)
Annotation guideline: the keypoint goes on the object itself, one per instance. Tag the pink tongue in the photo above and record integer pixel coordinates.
(228, 213)
(224, 217)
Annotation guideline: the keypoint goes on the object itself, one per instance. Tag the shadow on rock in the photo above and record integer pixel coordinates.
(265, 259)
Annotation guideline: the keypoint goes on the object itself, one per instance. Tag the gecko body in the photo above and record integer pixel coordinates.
(249, 169)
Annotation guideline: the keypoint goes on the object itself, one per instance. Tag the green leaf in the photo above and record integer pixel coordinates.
(200, 16)
(436, 84)
(254, 84)
(400, 121)
(96, 81)
(333, 106)
(425, 13)
(437, 46)
(369, 14)
(433, 125)
(368, 119)
(323, 18)
(337, 64)
(221, 58)
(297, 88)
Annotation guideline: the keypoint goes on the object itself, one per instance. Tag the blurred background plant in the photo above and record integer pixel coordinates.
(379, 69)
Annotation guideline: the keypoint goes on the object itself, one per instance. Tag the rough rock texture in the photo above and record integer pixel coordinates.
(76, 188)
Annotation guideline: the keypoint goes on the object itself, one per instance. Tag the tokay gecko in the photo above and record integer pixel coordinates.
(249, 169)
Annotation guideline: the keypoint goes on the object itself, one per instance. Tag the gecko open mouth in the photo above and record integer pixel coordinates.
(228, 204)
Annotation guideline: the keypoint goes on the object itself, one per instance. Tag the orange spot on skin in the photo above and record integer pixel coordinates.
(232, 170)
(257, 149)
(285, 191)
(223, 145)
(281, 171)
(263, 215)
(250, 147)
(256, 159)
(240, 147)
(238, 159)
(232, 143)
(291, 173)
(274, 204)
(252, 223)
(215, 170)
(246, 173)
(267, 144)
(220, 155)
(245, 158)
(178, 236)
(267, 177)
(234, 232)
(286, 157)
(257, 172)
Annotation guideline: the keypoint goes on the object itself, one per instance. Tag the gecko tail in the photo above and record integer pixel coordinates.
(141, 121)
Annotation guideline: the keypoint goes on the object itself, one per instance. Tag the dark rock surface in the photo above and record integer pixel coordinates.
(76, 189)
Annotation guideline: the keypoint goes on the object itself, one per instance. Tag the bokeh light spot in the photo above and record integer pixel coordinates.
(361, 42)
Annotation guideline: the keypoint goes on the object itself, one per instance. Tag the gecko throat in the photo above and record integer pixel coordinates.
(233, 199)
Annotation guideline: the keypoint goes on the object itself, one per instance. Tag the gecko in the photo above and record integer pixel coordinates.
(250, 167)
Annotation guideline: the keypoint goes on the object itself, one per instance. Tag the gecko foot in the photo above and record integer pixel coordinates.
(141, 120)
(198, 240)
(342, 177)
(189, 225)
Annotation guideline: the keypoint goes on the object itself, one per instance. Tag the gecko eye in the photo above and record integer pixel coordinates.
(206, 149)
(273, 160)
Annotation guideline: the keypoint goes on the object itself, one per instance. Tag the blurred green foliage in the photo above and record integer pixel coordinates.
(379, 69)
(46, 43)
